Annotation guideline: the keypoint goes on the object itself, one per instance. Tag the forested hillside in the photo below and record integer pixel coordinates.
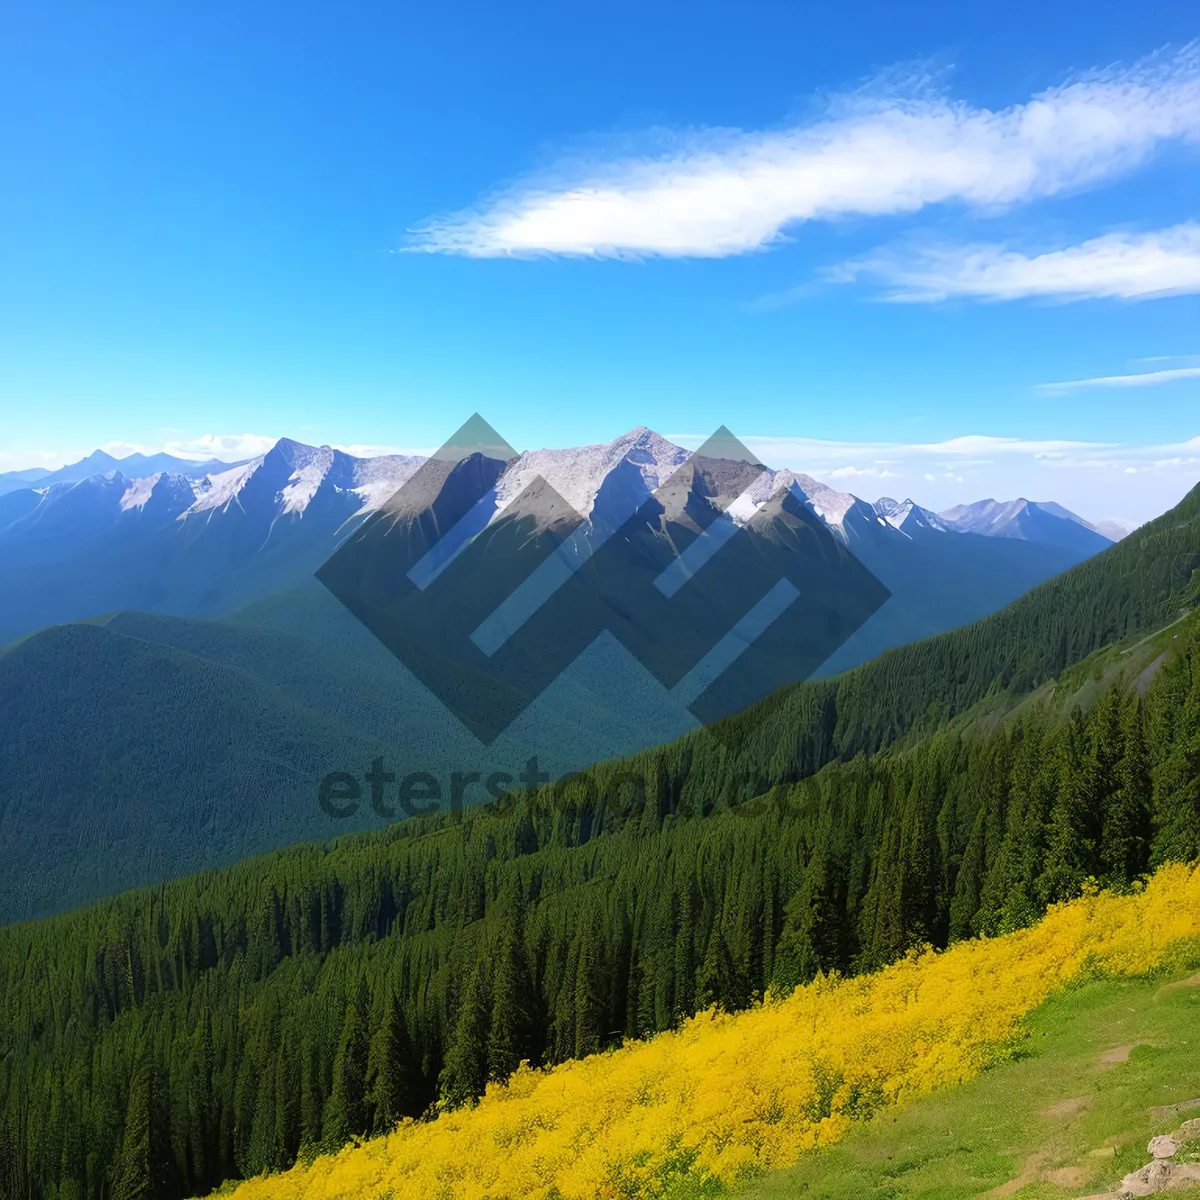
(1141, 584)
(718, 1107)
(263, 704)
(162, 1041)
(143, 747)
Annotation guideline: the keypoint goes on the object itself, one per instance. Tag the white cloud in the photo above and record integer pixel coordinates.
(874, 471)
(24, 460)
(1127, 266)
(230, 447)
(369, 450)
(1144, 379)
(714, 193)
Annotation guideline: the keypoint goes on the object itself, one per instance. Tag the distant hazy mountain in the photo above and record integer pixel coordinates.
(134, 466)
(1043, 521)
(178, 544)
(140, 747)
(15, 479)
(1115, 528)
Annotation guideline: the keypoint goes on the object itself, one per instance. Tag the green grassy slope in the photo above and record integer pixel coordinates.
(1070, 1115)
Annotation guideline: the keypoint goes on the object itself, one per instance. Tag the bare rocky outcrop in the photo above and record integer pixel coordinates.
(1166, 1172)
(1160, 1176)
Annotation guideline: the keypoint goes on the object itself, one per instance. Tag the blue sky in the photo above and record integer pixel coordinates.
(884, 226)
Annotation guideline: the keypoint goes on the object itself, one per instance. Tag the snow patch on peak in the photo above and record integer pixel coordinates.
(376, 480)
(310, 466)
(166, 488)
(984, 515)
(139, 492)
(221, 489)
(907, 513)
(830, 505)
(293, 452)
(577, 473)
(291, 470)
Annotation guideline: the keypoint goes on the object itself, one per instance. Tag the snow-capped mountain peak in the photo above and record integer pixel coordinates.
(907, 515)
(289, 477)
(604, 482)
(833, 507)
(310, 467)
(220, 490)
(579, 474)
(1026, 519)
(161, 491)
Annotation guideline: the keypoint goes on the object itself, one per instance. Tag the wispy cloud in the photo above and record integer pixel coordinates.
(371, 450)
(1125, 266)
(24, 460)
(881, 150)
(229, 447)
(1144, 379)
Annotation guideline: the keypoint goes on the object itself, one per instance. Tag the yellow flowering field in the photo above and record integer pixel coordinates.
(730, 1094)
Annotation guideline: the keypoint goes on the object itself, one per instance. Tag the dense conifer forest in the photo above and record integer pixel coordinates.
(163, 1041)
(168, 1039)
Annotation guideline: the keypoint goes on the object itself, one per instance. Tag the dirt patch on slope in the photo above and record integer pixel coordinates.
(1118, 1054)
(1190, 982)
(1064, 1110)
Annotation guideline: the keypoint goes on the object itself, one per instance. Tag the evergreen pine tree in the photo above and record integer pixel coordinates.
(1071, 850)
(202, 1122)
(589, 991)
(465, 1072)
(346, 1110)
(144, 1170)
(395, 1083)
(1177, 775)
(1125, 841)
(715, 984)
(511, 1037)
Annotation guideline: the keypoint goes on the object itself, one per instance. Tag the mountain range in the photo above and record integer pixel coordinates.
(235, 1020)
(158, 534)
(188, 720)
(1036, 522)
(99, 462)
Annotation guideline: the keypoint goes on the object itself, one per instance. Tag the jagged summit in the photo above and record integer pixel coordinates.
(578, 473)
(908, 516)
(604, 482)
(1040, 521)
(158, 533)
(100, 462)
